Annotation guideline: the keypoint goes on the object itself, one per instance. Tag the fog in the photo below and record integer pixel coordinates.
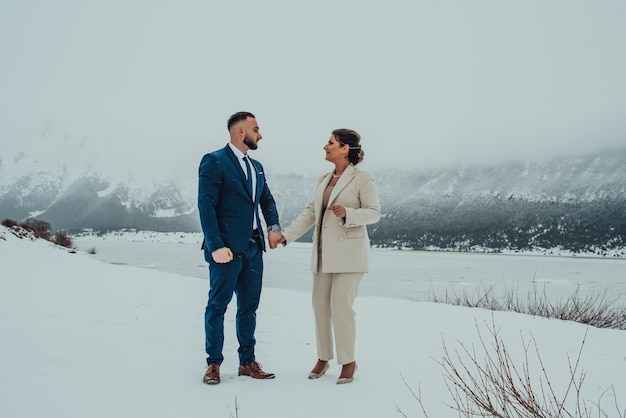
(427, 84)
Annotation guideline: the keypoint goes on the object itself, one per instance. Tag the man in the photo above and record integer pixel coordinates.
(231, 190)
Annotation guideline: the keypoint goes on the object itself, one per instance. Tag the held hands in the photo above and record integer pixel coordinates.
(225, 255)
(222, 255)
(338, 210)
(276, 238)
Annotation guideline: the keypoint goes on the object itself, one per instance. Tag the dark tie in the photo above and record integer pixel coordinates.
(249, 178)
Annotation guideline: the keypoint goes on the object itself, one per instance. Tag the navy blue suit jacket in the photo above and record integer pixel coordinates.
(226, 206)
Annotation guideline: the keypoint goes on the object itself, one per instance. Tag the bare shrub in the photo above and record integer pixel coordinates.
(9, 223)
(18, 230)
(489, 383)
(63, 239)
(40, 228)
(493, 385)
(417, 396)
(236, 410)
(598, 310)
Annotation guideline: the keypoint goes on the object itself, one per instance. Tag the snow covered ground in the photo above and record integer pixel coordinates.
(412, 275)
(85, 338)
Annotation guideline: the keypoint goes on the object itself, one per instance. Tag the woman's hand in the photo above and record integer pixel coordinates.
(338, 210)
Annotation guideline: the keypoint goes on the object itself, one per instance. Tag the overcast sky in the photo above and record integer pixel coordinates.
(426, 83)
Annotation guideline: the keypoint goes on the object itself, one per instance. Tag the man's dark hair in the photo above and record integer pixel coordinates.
(238, 117)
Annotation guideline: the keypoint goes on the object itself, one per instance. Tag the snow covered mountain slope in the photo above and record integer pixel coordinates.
(575, 202)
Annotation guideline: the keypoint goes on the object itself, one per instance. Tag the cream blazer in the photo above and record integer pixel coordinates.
(345, 244)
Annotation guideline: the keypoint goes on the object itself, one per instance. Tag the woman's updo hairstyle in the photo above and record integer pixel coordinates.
(352, 139)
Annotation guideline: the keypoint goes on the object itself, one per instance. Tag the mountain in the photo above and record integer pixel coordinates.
(578, 204)
(569, 203)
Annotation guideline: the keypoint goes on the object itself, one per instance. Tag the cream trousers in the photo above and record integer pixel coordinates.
(333, 296)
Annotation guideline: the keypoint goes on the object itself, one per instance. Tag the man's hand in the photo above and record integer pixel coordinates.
(222, 255)
(275, 238)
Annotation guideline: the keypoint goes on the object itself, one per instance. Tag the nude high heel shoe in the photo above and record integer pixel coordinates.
(318, 366)
(346, 375)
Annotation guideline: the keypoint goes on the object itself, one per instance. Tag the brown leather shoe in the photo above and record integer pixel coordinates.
(254, 371)
(212, 374)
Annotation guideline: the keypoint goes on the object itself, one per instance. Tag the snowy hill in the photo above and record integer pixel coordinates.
(81, 338)
(576, 203)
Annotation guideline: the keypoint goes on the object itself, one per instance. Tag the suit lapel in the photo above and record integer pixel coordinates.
(238, 168)
(344, 180)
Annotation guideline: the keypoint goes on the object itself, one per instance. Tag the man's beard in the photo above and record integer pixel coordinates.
(249, 142)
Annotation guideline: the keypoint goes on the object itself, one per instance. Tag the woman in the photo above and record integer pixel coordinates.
(346, 200)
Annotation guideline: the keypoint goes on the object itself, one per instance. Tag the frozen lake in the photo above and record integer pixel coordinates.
(399, 274)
